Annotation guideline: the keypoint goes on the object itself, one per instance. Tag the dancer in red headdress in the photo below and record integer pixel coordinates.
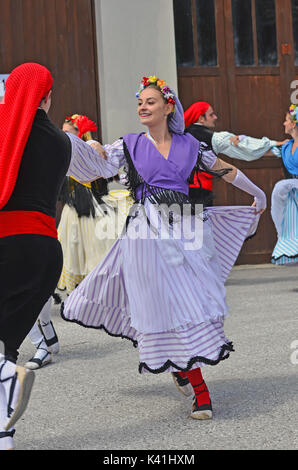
(200, 121)
(200, 187)
(34, 158)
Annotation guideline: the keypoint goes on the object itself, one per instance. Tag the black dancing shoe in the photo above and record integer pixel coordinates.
(183, 385)
(201, 411)
(40, 359)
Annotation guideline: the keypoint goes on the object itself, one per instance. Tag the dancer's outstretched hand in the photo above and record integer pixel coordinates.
(99, 148)
(254, 204)
(235, 140)
(283, 142)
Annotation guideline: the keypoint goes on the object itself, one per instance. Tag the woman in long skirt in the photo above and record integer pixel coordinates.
(162, 283)
(284, 207)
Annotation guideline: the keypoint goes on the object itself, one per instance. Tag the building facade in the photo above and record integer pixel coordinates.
(239, 55)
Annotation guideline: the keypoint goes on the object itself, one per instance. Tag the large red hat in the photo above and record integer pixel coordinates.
(24, 89)
(196, 110)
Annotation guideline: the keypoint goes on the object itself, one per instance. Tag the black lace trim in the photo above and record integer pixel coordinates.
(286, 256)
(100, 327)
(191, 362)
(143, 365)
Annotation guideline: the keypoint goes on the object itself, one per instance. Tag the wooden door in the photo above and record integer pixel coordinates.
(59, 34)
(251, 92)
(201, 55)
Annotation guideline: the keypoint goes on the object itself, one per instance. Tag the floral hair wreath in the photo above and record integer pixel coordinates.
(293, 110)
(161, 84)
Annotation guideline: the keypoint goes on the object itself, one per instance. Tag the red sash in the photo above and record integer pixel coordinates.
(30, 222)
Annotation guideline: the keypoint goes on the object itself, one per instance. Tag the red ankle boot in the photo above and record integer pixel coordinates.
(202, 407)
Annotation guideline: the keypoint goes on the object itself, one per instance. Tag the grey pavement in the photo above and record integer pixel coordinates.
(92, 396)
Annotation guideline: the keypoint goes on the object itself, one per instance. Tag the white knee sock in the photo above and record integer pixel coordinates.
(3, 408)
(35, 335)
(5, 442)
(45, 314)
(7, 369)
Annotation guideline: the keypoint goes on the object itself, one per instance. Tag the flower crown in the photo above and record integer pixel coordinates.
(293, 110)
(161, 84)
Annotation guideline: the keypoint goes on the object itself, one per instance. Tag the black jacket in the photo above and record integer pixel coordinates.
(44, 164)
(201, 133)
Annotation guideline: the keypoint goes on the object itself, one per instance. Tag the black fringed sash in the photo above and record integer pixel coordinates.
(76, 195)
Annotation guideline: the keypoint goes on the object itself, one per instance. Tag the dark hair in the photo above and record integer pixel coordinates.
(42, 99)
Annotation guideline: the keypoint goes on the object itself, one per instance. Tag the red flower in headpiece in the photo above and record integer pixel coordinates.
(145, 81)
(84, 125)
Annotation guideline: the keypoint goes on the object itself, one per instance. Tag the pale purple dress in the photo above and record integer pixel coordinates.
(168, 300)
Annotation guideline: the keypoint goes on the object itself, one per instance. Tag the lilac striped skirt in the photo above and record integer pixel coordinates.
(169, 301)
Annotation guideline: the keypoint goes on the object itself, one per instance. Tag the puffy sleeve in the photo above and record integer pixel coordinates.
(249, 148)
(208, 156)
(87, 165)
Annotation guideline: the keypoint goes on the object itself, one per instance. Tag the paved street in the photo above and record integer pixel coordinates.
(92, 396)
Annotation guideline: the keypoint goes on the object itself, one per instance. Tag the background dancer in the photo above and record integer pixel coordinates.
(89, 209)
(168, 300)
(284, 207)
(85, 208)
(200, 121)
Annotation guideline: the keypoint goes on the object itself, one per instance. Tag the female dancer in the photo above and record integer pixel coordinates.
(284, 207)
(164, 294)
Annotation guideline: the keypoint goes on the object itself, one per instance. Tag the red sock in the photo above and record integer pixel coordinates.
(183, 375)
(200, 388)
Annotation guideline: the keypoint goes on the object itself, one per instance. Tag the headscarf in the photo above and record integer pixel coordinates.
(25, 87)
(83, 124)
(176, 120)
(196, 110)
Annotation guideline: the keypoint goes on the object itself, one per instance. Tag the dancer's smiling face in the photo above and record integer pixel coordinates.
(289, 125)
(153, 110)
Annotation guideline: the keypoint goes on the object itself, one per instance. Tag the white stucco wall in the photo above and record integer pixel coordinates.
(135, 38)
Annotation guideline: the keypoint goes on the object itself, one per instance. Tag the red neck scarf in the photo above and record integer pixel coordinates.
(196, 110)
(25, 87)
